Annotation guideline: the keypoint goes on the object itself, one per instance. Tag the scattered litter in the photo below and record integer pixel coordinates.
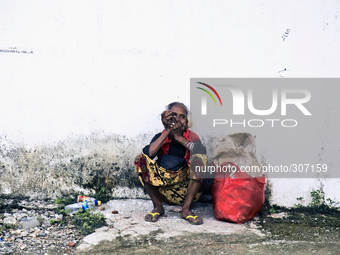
(115, 212)
(71, 244)
(73, 208)
(102, 208)
(88, 199)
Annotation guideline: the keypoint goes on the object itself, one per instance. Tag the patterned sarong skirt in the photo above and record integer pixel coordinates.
(171, 185)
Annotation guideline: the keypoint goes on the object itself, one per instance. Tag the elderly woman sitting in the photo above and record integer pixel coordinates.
(172, 178)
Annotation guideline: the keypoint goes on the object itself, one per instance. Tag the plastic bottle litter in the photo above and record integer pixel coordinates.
(72, 208)
(88, 199)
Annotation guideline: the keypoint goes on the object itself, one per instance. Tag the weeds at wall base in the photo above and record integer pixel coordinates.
(85, 221)
(88, 221)
(318, 205)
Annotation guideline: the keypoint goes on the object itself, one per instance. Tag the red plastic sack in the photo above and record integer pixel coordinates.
(237, 199)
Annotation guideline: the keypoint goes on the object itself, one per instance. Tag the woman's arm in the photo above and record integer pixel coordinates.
(177, 133)
(195, 147)
(167, 121)
(181, 140)
(157, 144)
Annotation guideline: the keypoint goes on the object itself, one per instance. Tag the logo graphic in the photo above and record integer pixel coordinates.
(204, 99)
(239, 100)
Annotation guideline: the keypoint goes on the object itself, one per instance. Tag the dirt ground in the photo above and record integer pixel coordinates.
(278, 233)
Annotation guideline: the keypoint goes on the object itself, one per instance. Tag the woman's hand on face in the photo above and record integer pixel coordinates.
(177, 130)
(168, 120)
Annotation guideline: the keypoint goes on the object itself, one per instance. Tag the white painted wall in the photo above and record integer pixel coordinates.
(112, 66)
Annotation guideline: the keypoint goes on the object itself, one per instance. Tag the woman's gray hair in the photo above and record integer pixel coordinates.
(169, 106)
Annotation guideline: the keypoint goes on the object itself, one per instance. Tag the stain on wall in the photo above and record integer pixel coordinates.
(82, 163)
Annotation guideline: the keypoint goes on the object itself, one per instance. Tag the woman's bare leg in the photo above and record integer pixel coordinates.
(193, 188)
(157, 203)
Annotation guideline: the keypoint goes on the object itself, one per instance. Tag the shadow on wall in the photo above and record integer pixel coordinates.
(83, 163)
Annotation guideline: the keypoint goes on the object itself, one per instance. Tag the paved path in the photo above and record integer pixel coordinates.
(129, 223)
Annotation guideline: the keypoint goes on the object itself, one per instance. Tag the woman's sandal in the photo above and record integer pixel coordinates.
(193, 217)
(153, 216)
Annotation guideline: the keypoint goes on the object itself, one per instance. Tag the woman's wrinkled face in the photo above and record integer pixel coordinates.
(179, 113)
